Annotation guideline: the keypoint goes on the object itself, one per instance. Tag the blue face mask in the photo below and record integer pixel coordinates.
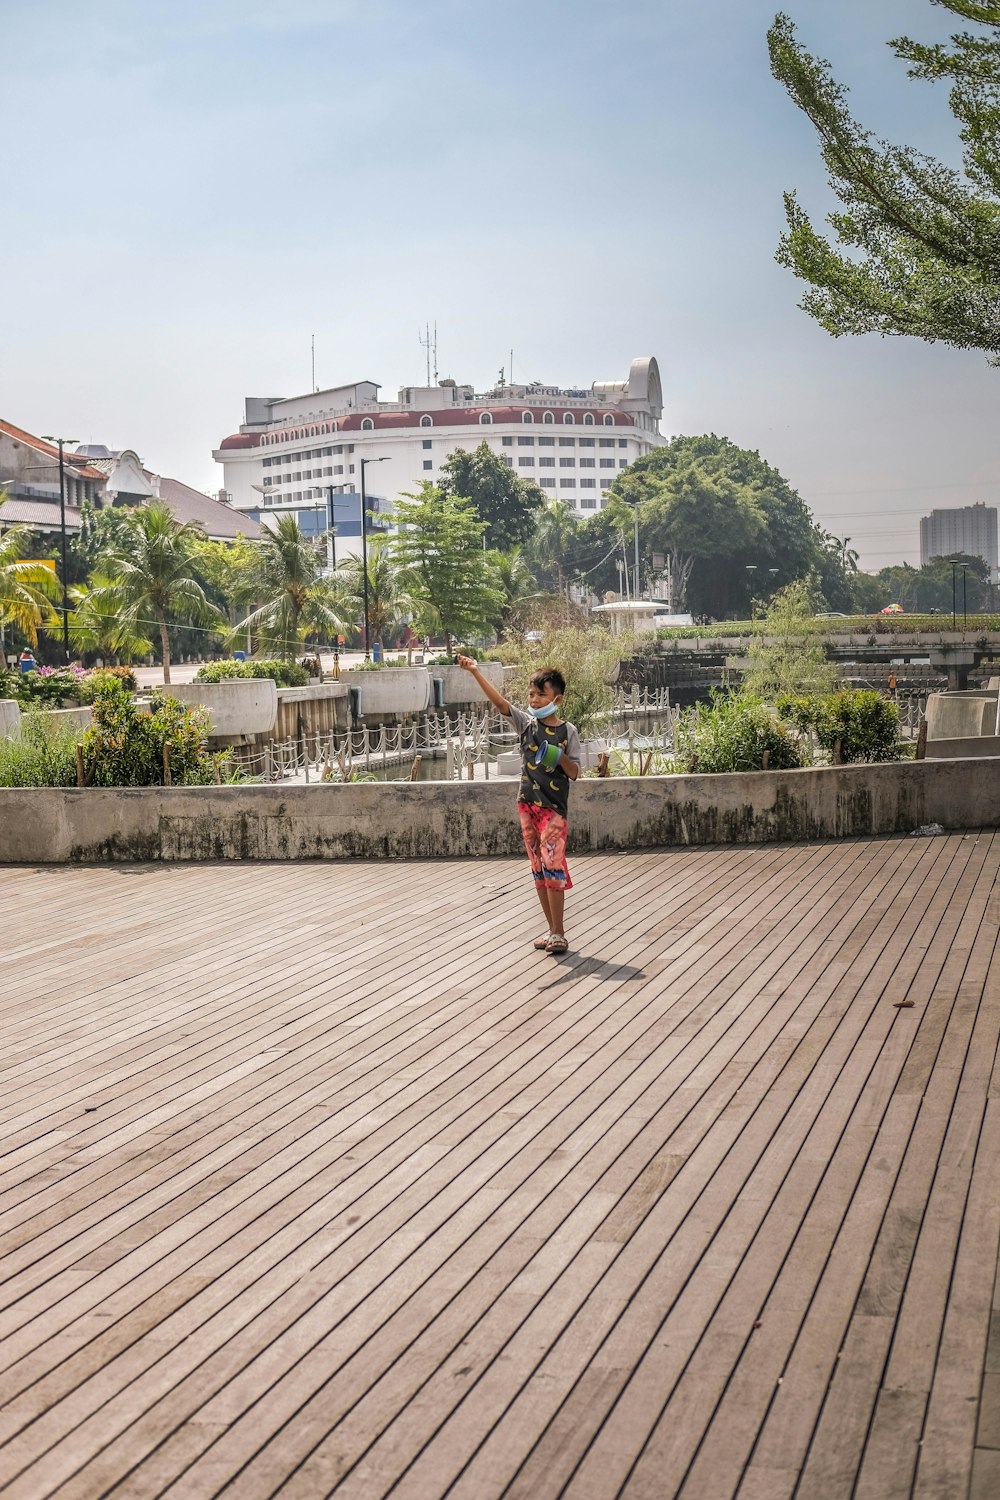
(543, 713)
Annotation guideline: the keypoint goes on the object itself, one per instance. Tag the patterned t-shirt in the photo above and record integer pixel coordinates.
(541, 788)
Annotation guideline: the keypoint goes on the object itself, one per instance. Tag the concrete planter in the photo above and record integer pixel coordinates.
(393, 690)
(461, 687)
(239, 708)
(955, 716)
(509, 761)
(10, 719)
(62, 718)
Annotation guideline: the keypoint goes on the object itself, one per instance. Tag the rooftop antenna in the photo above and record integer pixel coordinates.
(429, 343)
(314, 362)
(512, 367)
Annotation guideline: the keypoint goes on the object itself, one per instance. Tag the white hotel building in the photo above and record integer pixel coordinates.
(290, 451)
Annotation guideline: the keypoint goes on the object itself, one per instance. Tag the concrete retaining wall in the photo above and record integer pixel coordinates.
(975, 746)
(237, 707)
(434, 820)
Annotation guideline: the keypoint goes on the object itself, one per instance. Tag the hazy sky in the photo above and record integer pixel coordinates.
(194, 188)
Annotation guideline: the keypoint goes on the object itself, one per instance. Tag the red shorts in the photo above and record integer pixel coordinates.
(544, 833)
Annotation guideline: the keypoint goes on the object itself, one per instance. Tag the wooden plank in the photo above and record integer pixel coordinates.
(429, 1205)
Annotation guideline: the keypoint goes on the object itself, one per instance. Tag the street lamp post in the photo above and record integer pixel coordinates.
(61, 443)
(364, 546)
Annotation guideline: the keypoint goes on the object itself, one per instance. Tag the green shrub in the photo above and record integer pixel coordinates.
(865, 723)
(732, 733)
(93, 681)
(862, 722)
(282, 673)
(124, 747)
(44, 688)
(43, 756)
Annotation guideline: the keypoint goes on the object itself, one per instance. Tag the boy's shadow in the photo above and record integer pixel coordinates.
(596, 968)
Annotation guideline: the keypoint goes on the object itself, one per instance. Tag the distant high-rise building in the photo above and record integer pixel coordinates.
(971, 529)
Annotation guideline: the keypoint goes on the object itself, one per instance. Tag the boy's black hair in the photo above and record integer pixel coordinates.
(549, 674)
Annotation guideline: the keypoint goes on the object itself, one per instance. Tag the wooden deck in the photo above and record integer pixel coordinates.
(319, 1180)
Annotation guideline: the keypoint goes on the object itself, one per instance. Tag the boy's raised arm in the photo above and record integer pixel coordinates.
(497, 699)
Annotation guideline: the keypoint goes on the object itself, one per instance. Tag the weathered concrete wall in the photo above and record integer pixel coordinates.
(433, 820)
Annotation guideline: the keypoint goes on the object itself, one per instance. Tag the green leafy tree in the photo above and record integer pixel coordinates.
(785, 658)
(931, 587)
(296, 599)
(445, 571)
(27, 587)
(152, 567)
(869, 593)
(229, 574)
(915, 248)
(734, 518)
(389, 604)
(507, 504)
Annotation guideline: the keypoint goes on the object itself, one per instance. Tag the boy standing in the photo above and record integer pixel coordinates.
(550, 749)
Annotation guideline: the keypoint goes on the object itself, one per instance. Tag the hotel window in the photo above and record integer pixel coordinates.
(605, 484)
(609, 420)
(526, 463)
(586, 463)
(567, 484)
(607, 463)
(623, 463)
(296, 477)
(425, 421)
(588, 484)
(338, 468)
(588, 420)
(526, 416)
(548, 418)
(546, 483)
(589, 502)
(567, 463)
(428, 463)
(328, 472)
(623, 442)
(426, 443)
(508, 442)
(586, 442)
(367, 425)
(567, 442)
(569, 419)
(544, 442)
(350, 468)
(339, 448)
(486, 420)
(605, 442)
(507, 460)
(546, 463)
(525, 442)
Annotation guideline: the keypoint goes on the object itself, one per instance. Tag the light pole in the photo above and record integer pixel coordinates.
(364, 545)
(61, 443)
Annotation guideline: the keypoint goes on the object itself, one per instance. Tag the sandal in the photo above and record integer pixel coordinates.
(542, 943)
(557, 944)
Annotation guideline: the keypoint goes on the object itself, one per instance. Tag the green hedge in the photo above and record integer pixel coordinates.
(283, 673)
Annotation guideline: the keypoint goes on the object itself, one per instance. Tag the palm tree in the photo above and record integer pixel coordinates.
(152, 576)
(518, 586)
(296, 599)
(26, 587)
(553, 538)
(388, 600)
(97, 623)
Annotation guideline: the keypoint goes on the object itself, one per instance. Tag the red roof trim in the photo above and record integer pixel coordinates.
(41, 446)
